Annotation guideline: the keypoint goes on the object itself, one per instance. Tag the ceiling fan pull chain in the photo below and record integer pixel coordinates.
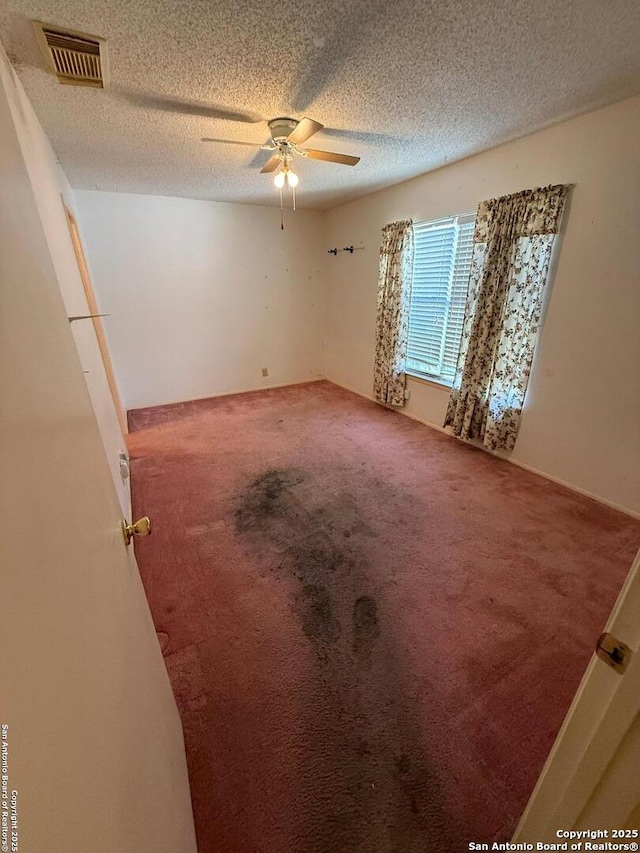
(293, 193)
(281, 212)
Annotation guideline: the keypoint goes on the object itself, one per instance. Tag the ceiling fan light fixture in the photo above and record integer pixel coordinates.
(287, 135)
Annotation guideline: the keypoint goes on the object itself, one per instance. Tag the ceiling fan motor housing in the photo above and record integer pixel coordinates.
(280, 128)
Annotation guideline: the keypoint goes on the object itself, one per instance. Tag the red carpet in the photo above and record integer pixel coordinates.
(373, 631)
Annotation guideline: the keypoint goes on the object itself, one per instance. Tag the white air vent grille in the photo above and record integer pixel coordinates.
(75, 58)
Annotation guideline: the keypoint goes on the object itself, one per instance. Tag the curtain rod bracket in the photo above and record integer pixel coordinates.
(350, 249)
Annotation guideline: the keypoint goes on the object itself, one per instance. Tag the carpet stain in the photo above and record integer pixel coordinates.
(366, 628)
(265, 499)
(374, 800)
(319, 621)
(282, 506)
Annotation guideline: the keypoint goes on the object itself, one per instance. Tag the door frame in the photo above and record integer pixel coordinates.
(95, 319)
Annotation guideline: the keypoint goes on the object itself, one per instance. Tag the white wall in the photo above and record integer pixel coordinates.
(46, 174)
(203, 295)
(581, 422)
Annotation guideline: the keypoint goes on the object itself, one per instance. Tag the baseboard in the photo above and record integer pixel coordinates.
(604, 501)
(530, 468)
(230, 393)
(390, 408)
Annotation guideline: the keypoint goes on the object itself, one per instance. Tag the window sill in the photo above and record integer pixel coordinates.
(427, 380)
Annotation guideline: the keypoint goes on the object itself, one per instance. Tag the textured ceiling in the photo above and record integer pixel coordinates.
(407, 85)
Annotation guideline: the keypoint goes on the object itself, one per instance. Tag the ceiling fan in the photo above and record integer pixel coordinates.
(287, 135)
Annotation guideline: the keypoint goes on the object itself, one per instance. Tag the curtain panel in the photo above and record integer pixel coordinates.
(392, 321)
(513, 240)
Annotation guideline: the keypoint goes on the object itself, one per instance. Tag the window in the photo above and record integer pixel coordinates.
(442, 263)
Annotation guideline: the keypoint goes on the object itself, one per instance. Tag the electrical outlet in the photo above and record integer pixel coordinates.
(407, 394)
(265, 371)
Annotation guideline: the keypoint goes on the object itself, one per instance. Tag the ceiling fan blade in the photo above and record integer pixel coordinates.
(184, 107)
(272, 164)
(345, 159)
(358, 135)
(231, 142)
(303, 130)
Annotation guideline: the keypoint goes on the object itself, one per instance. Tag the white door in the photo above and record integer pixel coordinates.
(591, 778)
(63, 239)
(92, 756)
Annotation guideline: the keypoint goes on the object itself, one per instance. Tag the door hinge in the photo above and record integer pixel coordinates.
(123, 463)
(613, 652)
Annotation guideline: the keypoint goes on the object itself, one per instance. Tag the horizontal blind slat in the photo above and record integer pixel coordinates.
(443, 252)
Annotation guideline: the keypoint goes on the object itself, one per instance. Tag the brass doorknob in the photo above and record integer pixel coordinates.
(141, 527)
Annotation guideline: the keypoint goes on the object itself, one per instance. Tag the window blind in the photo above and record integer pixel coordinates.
(442, 263)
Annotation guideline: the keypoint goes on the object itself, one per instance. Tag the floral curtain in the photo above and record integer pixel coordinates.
(513, 239)
(392, 322)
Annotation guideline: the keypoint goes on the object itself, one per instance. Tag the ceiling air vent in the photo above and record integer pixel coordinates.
(76, 59)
